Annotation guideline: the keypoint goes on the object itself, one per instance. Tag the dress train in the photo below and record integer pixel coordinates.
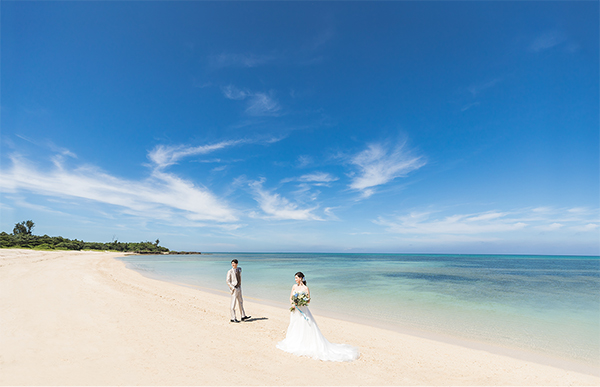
(304, 338)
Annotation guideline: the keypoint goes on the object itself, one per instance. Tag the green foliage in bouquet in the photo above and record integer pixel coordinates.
(299, 299)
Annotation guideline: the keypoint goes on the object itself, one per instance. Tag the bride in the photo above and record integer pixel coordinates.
(304, 338)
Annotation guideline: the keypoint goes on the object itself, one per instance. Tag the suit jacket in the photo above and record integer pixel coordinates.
(232, 281)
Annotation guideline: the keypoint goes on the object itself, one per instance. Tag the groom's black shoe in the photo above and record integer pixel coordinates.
(235, 321)
(245, 318)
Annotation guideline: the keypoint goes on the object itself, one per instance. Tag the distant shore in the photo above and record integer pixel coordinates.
(81, 318)
(164, 253)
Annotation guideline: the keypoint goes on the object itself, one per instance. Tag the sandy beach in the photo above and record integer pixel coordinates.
(83, 318)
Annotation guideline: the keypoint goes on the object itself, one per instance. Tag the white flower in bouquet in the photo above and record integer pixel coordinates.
(299, 299)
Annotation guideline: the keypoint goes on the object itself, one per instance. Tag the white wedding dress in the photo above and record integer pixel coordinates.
(304, 338)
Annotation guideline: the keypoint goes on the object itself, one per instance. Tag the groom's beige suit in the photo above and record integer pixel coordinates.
(234, 281)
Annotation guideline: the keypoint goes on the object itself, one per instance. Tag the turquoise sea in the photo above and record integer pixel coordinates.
(547, 305)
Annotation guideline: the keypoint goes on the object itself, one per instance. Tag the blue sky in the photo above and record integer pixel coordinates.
(428, 127)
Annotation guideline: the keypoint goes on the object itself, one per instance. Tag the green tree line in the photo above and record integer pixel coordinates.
(22, 237)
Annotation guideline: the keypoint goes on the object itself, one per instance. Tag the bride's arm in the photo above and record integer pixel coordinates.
(292, 295)
(308, 293)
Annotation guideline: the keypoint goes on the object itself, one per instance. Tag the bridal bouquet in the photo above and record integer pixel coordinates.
(299, 299)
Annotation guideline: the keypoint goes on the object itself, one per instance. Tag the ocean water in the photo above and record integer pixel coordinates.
(544, 304)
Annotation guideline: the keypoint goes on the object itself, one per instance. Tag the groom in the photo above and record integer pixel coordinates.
(234, 281)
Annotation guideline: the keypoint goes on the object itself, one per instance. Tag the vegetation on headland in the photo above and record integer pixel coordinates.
(22, 237)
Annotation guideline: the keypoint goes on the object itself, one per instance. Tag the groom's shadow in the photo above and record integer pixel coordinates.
(252, 319)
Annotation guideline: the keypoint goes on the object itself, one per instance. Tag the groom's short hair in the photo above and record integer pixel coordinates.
(234, 261)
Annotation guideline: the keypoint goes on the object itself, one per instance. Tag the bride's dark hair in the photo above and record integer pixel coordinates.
(300, 275)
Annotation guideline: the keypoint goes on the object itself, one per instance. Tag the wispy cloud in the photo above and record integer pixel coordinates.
(303, 55)
(477, 88)
(550, 227)
(20, 202)
(60, 150)
(316, 178)
(258, 103)
(278, 207)
(491, 223)
(263, 104)
(590, 227)
(547, 41)
(164, 155)
(218, 169)
(223, 60)
(161, 196)
(421, 223)
(311, 52)
(233, 92)
(469, 106)
(379, 164)
(304, 161)
(322, 39)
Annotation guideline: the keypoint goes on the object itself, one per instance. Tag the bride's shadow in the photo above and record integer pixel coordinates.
(251, 319)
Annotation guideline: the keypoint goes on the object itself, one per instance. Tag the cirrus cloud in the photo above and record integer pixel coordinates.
(547, 40)
(316, 178)
(164, 155)
(278, 207)
(380, 164)
(492, 223)
(225, 59)
(161, 196)
(258, 103)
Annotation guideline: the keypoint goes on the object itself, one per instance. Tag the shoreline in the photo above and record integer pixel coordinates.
(564, 363)
(83, 318)
(515, 346)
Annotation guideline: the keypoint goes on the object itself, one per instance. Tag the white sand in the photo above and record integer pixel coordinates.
(82, 318)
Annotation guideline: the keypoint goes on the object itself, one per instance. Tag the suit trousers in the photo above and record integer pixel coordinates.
(236, 297)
